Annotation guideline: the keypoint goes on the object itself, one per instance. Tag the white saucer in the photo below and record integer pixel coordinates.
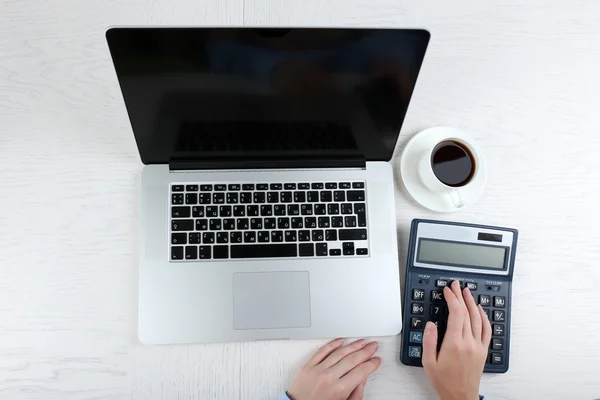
(415, 148)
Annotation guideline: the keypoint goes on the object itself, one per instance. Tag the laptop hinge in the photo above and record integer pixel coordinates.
(290, 163)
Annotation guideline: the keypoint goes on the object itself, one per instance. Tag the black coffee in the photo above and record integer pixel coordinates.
(452, 163)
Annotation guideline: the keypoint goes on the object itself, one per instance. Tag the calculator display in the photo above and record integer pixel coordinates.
(458, 253)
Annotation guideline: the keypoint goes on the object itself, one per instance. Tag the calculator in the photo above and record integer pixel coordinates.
(480, 257)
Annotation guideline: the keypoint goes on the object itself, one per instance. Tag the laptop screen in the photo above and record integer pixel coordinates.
(201, 94)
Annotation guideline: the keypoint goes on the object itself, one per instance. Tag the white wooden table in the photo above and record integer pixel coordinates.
(522, 76)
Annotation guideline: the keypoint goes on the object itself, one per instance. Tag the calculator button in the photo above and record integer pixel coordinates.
(487, 312)
(416, 323)
(499, 301)
(418, 294)
(424, 281)
(497, 344)
(437, 310)
(414, 351)
(416, 337)
(472, 286)
(437, 295)
(498, 330)
(493, 288)
(496, 358)
(499, 316)
(441, 283)
(418, 308)
(485, 300)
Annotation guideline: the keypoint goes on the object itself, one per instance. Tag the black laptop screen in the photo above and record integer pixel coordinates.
(247, 94)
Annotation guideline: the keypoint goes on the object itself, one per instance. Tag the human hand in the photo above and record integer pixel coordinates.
(336, 372)
(456, 370)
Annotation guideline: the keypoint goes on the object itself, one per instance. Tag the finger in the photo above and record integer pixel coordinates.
(357, 394)
(486, 334)
(430, 338)
(456, 314)
(342, 352)
(466, 327)
(475, 317)
(323, 352)
(361, 372)
(346, 364)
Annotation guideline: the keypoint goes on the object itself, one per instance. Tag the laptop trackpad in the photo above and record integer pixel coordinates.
(271, 300)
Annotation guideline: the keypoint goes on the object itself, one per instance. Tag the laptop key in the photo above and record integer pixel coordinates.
(191, 252)
(297, 223)
(177, 188)
(346, 208)
(330, 185)
(208, 238)
(310, 222)
(304, 186)
(191, 198)
(345, 185)
(198, 211)
(201, 224)
(180, 212)
(177, 198)
(333, 209)
(306, 209)
(229, 224)
(335, 252)
(289, 186)
(339, 196)
(320, 209)
(312, 196)
(270, 223)
(263, 236)
(204, 252)
(222, 237)
(293, 209)
(259, 197)
(290, 236)
(362, 252)
(225, 211)
(212, 211)
(242, 224)
(326, 196)
(191, 188)
(245, 197)
(283, 223)
(218, 198)
(348, 248)
(221, 188)
(250, 237)
(177, 253)
(180, 238)
(235, 237)
(318, 235)
(214, 225)
(317, 185)
(204, 198)
(232, 198)
(323, 222)
(182, 225)
(248, 186)
(264, 250)
(306, 249)
(299, 197)
(350, 221)
(275, 186)
(272, 197)
(277, 236)
(337, 222)
(256, 223)
(262, 186)
(361, 214)
(321, 249)
(266, 210)
(286, 197)
(220, 252)
(233, 186)
(353, 234)
(239, 211)
(195, 238)
(330, 235)
(252, 211)
(358, 185)
(304, 236)
(279, 209)
(206, 188)
(356, 195)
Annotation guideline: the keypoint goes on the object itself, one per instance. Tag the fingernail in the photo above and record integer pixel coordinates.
(373, 345)
(338, 340)
(430, 326)
(360, 341)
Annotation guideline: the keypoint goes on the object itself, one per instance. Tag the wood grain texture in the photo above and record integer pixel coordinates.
(520, 76)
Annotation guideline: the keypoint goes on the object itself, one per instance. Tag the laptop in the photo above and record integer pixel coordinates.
(267, 198)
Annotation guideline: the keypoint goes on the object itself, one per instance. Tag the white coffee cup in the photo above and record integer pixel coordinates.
(454, 193)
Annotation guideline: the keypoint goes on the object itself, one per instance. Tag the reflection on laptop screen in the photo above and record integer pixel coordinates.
(242, 93)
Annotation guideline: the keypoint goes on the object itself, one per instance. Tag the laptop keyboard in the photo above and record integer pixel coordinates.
(214, 221)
